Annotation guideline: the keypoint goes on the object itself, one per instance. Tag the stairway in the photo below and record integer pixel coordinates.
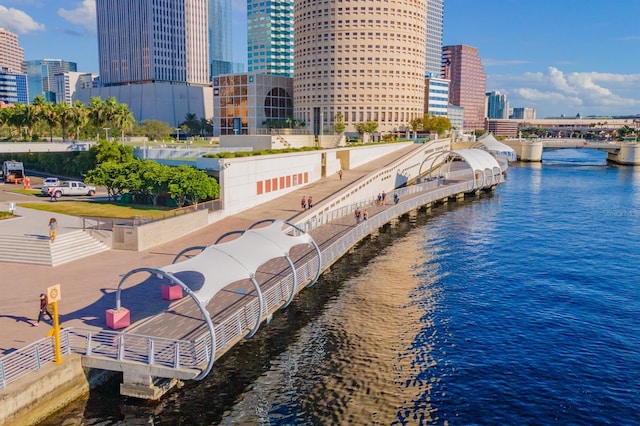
(38, 250)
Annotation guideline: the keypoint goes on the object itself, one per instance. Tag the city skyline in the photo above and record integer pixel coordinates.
(557, 57)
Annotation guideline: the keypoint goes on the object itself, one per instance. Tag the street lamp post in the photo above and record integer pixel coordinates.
(178, 134)
(106, 132)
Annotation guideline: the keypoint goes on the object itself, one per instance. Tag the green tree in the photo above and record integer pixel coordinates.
(338, 123)
(50, 116)
(366, 128)
(186, 183)
(155, 130)
(191, 123)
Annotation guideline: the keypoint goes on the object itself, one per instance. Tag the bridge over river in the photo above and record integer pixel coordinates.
(617, 152)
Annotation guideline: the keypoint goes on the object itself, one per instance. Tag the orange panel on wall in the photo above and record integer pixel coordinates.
(306, 177)
(288, 181)
(282, 182)
(274, 184)
(259, 187)
(267, 186)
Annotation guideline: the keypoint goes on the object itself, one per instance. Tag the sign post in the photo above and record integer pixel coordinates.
(53, 293)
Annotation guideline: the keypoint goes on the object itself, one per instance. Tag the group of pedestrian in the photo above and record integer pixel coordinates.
(381, 199)
(306, 202)
(360, 215)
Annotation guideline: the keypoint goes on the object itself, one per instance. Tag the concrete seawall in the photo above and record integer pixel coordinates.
(37, 395)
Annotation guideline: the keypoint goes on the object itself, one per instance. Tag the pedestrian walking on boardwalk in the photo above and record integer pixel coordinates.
(340, 174)
(396, 198)
(303, 203)
(378, 199)
(53, 228)
(357, 214)
(310, 201)
(384, 198)
(44, 309)
(365, 214)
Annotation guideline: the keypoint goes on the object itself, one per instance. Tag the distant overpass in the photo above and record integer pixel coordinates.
(617, 152)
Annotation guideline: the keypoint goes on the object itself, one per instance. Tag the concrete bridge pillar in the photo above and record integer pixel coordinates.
(628, 154)
(143, 386)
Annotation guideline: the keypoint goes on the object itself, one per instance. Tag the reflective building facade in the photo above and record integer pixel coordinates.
(270, 37)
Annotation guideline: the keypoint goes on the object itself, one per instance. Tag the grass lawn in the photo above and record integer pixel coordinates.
(98, 209)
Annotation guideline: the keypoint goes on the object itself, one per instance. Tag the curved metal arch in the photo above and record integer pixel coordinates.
(261, 309)
(315, 246)
(435, 154)
(186, 289)
(188, 249)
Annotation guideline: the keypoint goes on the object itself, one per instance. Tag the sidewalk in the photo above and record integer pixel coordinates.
(92, 280)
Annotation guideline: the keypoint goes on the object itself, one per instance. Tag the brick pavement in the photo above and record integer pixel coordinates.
(88, 285)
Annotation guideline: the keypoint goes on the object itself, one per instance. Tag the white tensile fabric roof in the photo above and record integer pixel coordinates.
(477, 159)
(222, 264)
(497, 147)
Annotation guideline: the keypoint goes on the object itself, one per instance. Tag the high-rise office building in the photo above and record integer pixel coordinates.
(220, 55)
(270, 37)
(436, 96)
(11, 54)
(522, 113)
(462, 66)
(143, 41)
(364, 60)
(154, 57)
(41, 76)
(435, 18)
(497, 105)
(13, 87)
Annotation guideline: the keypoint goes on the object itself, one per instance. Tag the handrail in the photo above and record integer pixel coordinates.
(193, 354)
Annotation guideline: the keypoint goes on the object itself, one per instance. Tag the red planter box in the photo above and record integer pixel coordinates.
(118, 319)
(171, 292)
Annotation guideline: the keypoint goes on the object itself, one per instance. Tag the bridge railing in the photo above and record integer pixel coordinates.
(191, 354)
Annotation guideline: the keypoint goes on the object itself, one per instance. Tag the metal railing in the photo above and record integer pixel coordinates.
(192, 354)
(107, 223)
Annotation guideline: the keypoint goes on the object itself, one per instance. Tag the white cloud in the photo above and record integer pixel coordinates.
(84, 15)
(17, 21)
(554, 92)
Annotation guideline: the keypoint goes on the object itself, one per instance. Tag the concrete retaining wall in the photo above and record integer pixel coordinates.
(139, 238)
(37, 395)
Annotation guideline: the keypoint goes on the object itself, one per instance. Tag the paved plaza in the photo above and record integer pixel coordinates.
(88, 285)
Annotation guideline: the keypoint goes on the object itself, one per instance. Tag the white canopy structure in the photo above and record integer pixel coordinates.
(224, 263)
(484, 166)
(497, 148)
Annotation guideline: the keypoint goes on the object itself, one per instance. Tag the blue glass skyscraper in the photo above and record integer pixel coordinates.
(220, 54)
(270, 37)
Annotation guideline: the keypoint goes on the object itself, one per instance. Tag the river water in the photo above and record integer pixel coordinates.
(521, 307)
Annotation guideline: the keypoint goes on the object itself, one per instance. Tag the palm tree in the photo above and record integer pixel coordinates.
(65, 115)
(79, 117)
(49, 114)
(123, 119)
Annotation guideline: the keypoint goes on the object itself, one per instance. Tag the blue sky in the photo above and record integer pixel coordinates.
(558, 56)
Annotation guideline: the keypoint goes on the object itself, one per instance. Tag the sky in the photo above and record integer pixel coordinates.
(561, 57)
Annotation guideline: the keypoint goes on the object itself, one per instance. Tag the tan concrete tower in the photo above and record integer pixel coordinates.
(362, 59)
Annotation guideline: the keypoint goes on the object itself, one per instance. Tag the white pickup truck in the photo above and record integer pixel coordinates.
(71, 187)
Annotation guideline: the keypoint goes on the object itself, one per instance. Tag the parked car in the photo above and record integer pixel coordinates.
(72, 187)
(51, 181)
